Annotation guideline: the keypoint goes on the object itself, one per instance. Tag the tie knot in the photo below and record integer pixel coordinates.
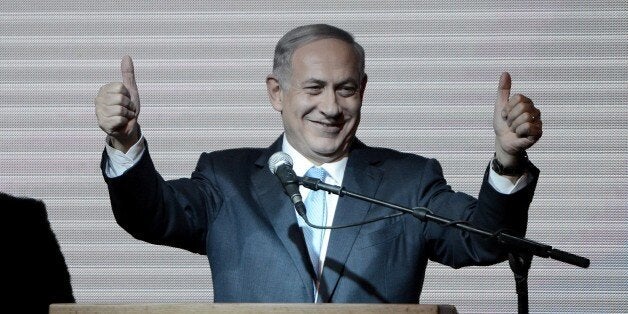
(317, 173)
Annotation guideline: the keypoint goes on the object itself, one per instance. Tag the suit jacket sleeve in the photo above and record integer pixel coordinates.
(492, 211)
(174, 212)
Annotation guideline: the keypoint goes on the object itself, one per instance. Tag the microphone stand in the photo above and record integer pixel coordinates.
(520, 249)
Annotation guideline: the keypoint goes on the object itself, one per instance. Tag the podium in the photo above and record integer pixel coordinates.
(231, 308)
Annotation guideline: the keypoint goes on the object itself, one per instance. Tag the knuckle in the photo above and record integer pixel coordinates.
(113, 86)
(517, 97)
(123, 111)
(116, 88)
(118, 98)
(117, 111)
(118, 121)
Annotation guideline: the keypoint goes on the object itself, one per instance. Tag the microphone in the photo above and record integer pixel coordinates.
(280, 164)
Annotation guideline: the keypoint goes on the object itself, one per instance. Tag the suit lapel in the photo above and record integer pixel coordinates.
(281, 215)
(360, 177)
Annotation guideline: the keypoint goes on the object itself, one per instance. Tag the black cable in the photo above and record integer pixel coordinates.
(352, 225)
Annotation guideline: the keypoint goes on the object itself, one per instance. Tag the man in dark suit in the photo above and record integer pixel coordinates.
(233, 209)
(37, 271)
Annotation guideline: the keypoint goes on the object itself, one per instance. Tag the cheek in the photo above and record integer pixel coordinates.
(300, 104)
(293, 116)
(352, 108)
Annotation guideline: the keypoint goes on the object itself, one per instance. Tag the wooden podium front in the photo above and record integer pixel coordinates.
(334, 308)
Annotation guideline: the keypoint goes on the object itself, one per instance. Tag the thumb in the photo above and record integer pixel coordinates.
(128, 79)
(503, 94)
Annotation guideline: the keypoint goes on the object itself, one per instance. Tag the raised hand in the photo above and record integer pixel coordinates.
(117, 108)
(516, 121)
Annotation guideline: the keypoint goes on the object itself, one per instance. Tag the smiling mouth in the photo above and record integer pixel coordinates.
(333, 125)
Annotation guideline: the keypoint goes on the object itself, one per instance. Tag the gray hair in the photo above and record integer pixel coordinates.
(282, 63)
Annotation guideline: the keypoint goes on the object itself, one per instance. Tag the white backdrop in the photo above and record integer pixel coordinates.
(433, 69)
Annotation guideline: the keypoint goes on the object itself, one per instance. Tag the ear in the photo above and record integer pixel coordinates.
(363, 87)
(275, 94)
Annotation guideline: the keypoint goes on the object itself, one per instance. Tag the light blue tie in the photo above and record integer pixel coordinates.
(316, 208)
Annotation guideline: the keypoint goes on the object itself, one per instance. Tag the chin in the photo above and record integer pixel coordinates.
(330, 150)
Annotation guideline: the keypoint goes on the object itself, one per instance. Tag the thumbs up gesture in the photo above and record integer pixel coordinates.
(516, 121)
(117, 108)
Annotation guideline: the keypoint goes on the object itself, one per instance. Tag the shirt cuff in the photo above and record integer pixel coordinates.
(119, 162)
(503, 185)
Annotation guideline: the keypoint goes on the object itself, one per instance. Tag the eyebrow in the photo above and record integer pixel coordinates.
(314, 81)
(347, 81)
(323, 83)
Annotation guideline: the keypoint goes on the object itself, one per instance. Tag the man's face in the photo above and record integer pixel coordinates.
(320, 108)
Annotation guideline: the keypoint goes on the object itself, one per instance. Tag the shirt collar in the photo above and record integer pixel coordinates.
(335, 170)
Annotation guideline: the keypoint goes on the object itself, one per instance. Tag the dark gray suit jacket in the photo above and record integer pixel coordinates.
(234, 210)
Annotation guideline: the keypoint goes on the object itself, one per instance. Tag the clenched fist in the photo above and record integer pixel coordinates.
(516, 121)
(117, 108)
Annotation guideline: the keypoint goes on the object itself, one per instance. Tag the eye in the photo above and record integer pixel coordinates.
(347, 91)
(314, 89)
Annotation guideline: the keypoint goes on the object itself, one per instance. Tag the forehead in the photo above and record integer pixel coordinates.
(322, 57)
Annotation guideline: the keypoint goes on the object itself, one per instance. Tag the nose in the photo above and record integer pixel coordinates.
(329, 106)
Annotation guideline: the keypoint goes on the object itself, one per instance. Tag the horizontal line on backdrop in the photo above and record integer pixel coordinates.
(146, 105)
(606, 85)
(450, 176)
(489, 36)
(266, 62)
(248, 129)
(382, 14)
(146, 60)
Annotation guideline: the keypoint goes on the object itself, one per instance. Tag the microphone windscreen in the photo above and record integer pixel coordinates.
(278, 159)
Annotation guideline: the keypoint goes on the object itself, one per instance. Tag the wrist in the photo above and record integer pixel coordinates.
(123, 144)
(515, 166)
